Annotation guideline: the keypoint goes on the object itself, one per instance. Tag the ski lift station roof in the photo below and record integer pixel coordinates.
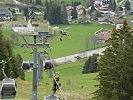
(8, 80)
(23, 28)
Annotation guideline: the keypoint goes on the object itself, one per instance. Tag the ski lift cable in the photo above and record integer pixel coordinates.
(60, 89)
(8, 87)
(50, 54)
(4, 73)
(3, 63)
(52, 63)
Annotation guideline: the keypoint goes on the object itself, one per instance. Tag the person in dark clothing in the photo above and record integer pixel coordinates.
(56, 84)
(60, 39)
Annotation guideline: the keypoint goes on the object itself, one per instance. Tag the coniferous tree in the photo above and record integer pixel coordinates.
(6, 54)
(13, 72)
(1, 44)
(19, 62)
(112, 5)
(92, 9)
(64, 13)
(56, 12)
(127, 5)
(74, 13)
(86, 66)
(116, 67)
(26, 13)
(91, 65)
(39, 2)
(76, 3)
(89, 3)
(46, 10)
(1, 53)
(84, 12)
(30, 1)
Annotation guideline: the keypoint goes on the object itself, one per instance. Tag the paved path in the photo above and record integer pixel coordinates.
(19, 3)
(73, 58)
(16, 2)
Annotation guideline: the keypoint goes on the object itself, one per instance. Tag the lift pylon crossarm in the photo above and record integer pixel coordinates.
(40, 34)
(37, 45)
(40, 52)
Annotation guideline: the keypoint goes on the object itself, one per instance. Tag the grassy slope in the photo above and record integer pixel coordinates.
(76, 42)
(72, 44)
(72, 80)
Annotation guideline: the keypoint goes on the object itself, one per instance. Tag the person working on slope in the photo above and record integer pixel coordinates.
(56, 84)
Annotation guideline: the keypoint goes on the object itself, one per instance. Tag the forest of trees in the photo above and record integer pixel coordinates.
(116, 66)
(112, 5)
(91, 65)
(14, 62)
(56, 12)
(127, 5)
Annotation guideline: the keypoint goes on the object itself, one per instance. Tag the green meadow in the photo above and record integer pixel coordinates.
(76, 41)
(73, 84)
(80, 38)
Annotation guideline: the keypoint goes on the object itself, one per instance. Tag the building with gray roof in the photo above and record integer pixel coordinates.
(5, 14)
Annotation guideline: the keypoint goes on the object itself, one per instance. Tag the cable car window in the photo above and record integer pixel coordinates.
(8, 87)
(26, 66)
(31, 65)
(48, 64)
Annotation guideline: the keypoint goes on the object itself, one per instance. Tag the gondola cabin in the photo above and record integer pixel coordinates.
(31, 64)
(25, 65)
(48, 65)
(8, 88)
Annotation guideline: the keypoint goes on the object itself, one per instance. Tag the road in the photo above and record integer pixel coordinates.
(16, 2)
(19, 3)
(74, 57)
(29, 5)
